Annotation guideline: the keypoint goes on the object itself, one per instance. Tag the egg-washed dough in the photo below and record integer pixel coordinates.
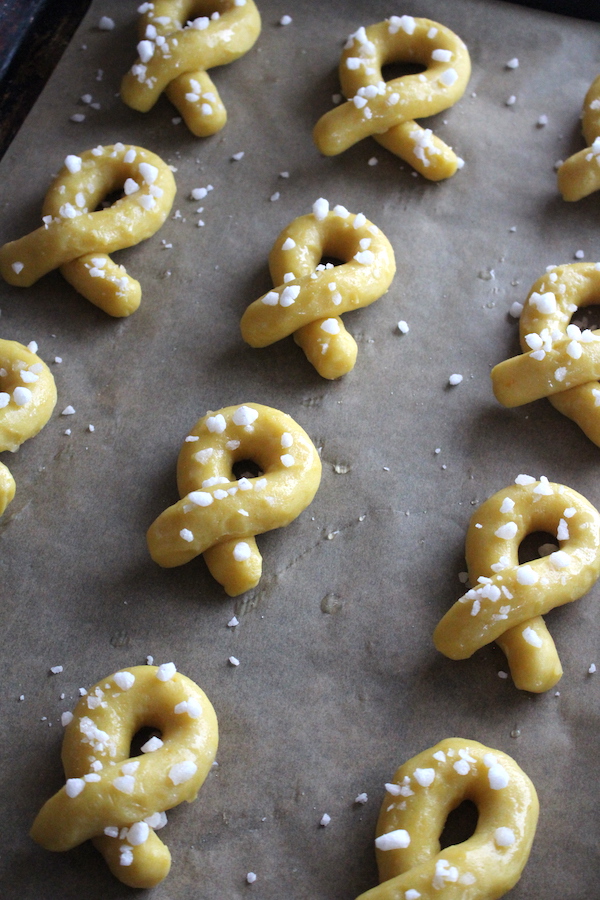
(181, 39)
(559, 361)
(309, 297)
(413, 814)
(579, 175)
(218, 515)
(117, 801)
(507, 600)
(386, 111)
(27, 399)
(77, 238)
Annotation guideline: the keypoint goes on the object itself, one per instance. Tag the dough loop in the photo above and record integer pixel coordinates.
(559, 360)
(118, 801)
(386, 111)
(579, 175)
(218, 515)
(77, 239)
(508, 599)
(424, 791)
(27, 399)
(310, 296)
(175, 53)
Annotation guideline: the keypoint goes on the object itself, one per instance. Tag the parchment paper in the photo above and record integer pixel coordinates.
(338, 681)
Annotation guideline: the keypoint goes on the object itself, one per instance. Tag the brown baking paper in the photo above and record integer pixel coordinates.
(338, 681)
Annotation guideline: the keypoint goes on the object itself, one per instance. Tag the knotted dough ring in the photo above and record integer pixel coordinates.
(579, 175)
(386, 111)
(559, 361)
(424, 791)
(27, 398)
(508, 600)
(175, 53)
(309, 297)
(77, 239)
(118, 801)
(219, 515)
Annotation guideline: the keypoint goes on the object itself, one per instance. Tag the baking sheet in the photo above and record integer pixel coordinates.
(338, 681)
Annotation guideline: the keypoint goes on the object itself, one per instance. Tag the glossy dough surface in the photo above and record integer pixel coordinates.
(309, 297)
(106, 789)
(386, 111)
(559, 361)
(77, 238)
(579, 175)
(181, 39)
(422, 794)
(219, 515)
(507, 600)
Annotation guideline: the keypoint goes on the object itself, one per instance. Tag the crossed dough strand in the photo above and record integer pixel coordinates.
(218, 515)
(386, 111)
(118, 801)
(309, 296)
(77, 238)
(508, 599)
(175, 54)
(559, 360)
(418, 800)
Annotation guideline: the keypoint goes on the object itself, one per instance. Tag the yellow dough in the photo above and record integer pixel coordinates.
(181, 39)
(507, 600)
(27, 398)
(386, 111)
(219, 515)
(579, 175)
(77, 239)
(559, 361)
(423, 792)
(118, 801)
(309, 297)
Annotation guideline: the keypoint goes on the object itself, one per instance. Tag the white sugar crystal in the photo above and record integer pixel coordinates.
(424, 777)
(152, 744)
(124, 680)
(507, 531)
(244, 415)
(320, 209)
(393, 840)
(182, 772)
(532, 637)
(166, 671)
(74, 787)
(241, 552)
(73, 163)
(504, 837)
(216, 424)
(497, 776)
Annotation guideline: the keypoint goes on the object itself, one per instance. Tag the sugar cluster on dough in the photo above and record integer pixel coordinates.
(507, 599)
(309, 296)
(386, 110)
(118, 801)
(414, 811)
(77, 237)
(175, 51)
(220, 515)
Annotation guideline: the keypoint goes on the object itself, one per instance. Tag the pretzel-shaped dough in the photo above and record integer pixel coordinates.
(559, 361)
(309, 296)
(175, 53)
(424, 791)
(579, 175)
(77, 239)
(218, 515)
(508, 600)
(386, 111)
(118, 801)
(27, 398)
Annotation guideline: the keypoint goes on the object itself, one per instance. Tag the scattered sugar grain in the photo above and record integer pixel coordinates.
(233, 661)
(106, 23)
(592, 669)
(403, 327)
(238, 156)
(251, 877)
(579, 254)
(513, 63)
(511, 100)
(285, 20)
(68, 411)
(455, 379)
(325, 820)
